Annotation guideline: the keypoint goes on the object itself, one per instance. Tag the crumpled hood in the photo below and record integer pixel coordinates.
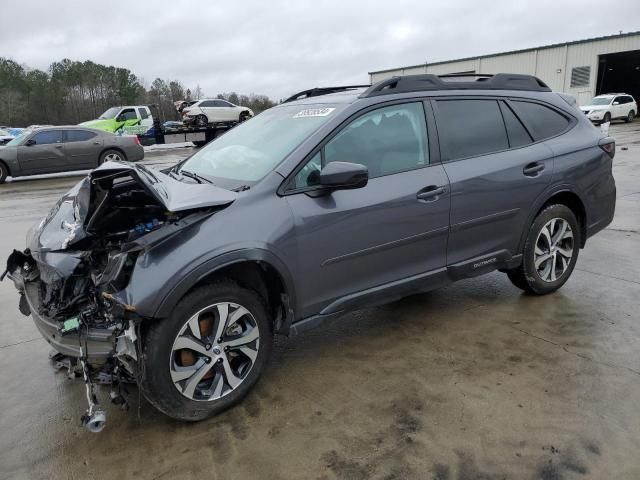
(65, 224)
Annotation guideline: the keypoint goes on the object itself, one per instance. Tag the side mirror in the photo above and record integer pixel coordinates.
(30, 142)
(344, 175)
(120, 118)
(616, 103)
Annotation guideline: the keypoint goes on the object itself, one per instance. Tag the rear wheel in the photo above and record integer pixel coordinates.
(4, 171)
(112, 156)
(202, 121)
(550, 252)
(630, 117)
(207, 355)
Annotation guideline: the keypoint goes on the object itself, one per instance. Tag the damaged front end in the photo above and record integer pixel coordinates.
(84, 252)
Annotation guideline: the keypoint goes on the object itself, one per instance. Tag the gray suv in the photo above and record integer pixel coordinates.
(337, 199)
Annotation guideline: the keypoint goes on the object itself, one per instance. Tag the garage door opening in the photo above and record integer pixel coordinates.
(619, 73)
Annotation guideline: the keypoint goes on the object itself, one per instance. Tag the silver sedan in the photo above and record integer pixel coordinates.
(62, 149)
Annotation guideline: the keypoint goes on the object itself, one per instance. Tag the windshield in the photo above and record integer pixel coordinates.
(249, 151)
(19, 139)
(109, 114)
(601, 100)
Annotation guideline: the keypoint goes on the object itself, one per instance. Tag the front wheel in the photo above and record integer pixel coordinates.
(208, 353)
(244, 116)
(550, 252)
(606, 118)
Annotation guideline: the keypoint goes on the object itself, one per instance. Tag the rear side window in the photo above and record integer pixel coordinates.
(468, 128)
(79, 135)
(206, 103)
(220, 103)
(518, 135)
(543, 122)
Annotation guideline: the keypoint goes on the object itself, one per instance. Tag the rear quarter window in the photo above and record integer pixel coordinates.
(542, 121)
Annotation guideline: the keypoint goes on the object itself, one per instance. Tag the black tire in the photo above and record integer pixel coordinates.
(630, 117)
(108, 154)
(158, 340)
(244, 116)
(199, 143)
(606, 118)
(201, 121)
(526, 276)
(4, 172)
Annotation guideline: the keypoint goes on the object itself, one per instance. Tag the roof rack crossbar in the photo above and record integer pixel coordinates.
(416, 83)
(317, 91)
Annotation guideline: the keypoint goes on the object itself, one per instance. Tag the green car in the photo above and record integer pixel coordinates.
(130, 120)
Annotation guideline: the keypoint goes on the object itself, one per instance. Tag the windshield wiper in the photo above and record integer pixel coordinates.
(194, 176)
(241, 188)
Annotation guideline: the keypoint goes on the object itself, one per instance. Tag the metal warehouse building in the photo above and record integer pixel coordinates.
(583, 68)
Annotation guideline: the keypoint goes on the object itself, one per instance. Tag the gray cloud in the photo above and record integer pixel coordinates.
(279, 47)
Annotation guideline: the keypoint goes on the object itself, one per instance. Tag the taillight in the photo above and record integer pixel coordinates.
(137, 140)
(609, 146)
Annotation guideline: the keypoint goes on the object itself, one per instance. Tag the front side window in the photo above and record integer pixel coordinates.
(144, 113)
(468, 128)
(387, 140)
(128, 114)
(48, 137)
(249, 151)
(543, 122)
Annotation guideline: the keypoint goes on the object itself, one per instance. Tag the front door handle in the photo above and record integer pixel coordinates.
(58, 146)
(430, 193)
(533, 169)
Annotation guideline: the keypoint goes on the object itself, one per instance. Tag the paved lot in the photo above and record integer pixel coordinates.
(473, 381)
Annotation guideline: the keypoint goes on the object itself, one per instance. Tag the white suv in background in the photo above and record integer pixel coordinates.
(216, 110)
(611, 106)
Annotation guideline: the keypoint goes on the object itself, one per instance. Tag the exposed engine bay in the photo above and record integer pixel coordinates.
(83, 252)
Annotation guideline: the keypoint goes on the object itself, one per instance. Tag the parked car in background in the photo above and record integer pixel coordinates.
(130, 119)
(62, 149)
(612, 106)
(207, 111)
(182, 104)
(5, 136)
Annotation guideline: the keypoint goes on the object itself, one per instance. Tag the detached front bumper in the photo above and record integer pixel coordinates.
(100, 342)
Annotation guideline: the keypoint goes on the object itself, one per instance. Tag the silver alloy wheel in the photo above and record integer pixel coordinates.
(553, 250)
(113, 157)
(630, 116)
(214, 351)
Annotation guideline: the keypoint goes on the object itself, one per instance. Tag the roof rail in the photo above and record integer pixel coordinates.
(317, 91)
(463, 81)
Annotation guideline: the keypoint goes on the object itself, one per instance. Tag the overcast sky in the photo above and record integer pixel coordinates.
(277, 47)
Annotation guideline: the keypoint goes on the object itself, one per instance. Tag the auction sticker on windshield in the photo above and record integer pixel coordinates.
(314, 112)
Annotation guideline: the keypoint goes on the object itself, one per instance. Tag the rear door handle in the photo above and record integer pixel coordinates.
(58, 146)
(430, 193)
(533, 169)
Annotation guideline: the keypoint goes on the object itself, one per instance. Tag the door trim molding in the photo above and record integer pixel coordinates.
(385, 246)
(486, 219)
